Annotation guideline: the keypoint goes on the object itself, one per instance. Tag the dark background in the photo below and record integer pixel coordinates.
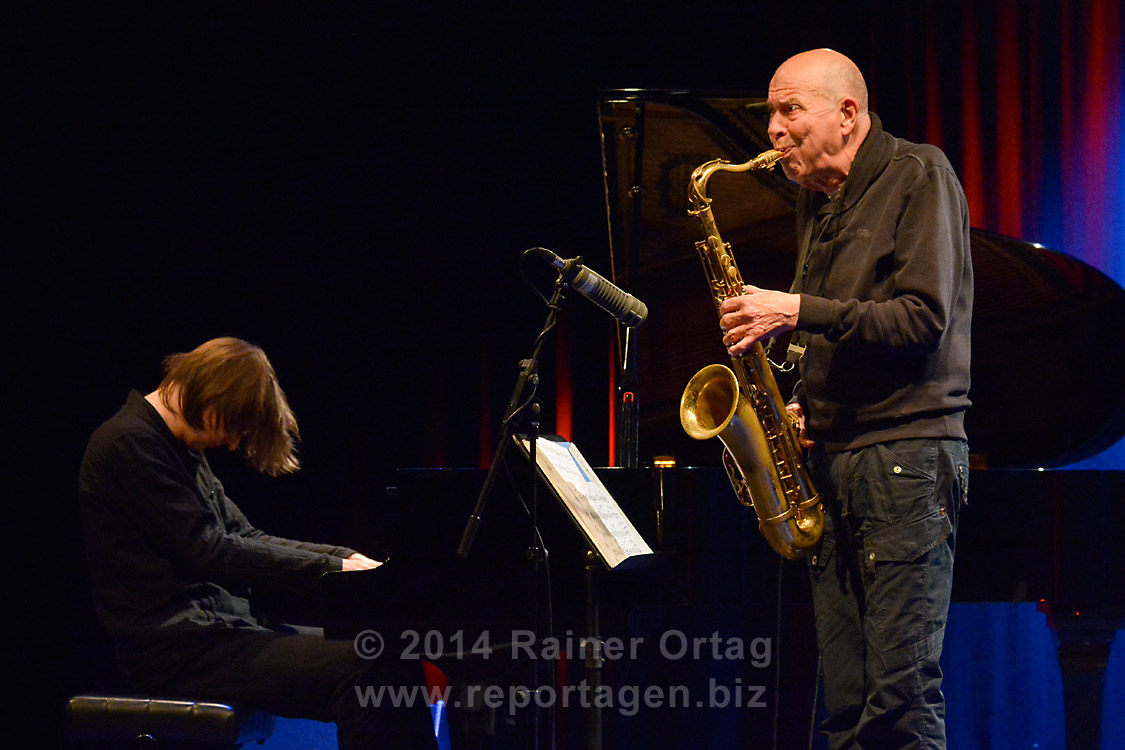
(349, 185)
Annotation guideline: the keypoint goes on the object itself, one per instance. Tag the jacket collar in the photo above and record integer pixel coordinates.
(872, 158)
(142, 408)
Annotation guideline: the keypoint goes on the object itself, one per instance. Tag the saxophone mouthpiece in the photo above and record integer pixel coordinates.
(766, 159)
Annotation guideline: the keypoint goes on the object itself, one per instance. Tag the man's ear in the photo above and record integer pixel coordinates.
(849, 115)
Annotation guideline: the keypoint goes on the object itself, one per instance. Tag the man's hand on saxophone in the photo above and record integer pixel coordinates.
(756, 315)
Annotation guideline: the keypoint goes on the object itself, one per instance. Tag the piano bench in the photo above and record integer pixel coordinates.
(96, 721)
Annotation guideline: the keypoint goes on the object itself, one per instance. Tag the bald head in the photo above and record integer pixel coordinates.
(834, 75)
(818, 117)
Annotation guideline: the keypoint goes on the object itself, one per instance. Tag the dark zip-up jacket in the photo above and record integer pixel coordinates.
(886, 283)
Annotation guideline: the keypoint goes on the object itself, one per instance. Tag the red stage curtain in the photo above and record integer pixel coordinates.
(1026, 99)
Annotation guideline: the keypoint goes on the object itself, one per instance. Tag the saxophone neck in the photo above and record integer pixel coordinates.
(697, 189)
(697, 186)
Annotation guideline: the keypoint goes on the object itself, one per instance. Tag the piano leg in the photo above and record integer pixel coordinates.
(1084, 640)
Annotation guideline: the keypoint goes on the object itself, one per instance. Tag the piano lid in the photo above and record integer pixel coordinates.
(1045, 361)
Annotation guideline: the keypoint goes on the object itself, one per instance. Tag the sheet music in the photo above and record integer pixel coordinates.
(600, 517)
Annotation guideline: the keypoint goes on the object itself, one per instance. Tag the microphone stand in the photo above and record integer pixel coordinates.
(528, 377)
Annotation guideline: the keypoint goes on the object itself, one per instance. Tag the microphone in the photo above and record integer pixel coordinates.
(627, 309)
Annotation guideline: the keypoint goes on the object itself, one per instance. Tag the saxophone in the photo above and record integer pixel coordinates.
(742, 406)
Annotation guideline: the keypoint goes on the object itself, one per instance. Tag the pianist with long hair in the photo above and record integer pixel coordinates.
(172, 558)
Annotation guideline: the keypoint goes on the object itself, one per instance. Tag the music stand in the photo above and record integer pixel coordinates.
(609, 536)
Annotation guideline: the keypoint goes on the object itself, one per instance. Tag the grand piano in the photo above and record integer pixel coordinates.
(1046, 353)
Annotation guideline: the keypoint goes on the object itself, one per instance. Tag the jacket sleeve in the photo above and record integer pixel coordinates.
(929, 260)
(152, 491)
(238, 523)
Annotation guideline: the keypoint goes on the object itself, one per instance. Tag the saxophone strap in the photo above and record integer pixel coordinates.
(820, 224)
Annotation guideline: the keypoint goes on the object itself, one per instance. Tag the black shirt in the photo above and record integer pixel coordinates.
(167, 548)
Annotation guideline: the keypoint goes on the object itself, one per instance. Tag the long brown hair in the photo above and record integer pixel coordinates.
(236, 380)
